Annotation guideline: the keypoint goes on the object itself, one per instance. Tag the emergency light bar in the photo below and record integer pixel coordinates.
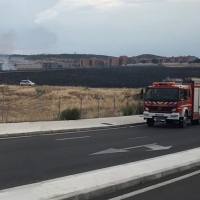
(163, 83)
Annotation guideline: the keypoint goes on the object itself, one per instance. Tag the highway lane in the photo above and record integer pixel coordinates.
(185, 189)
(183, 185)
(28, 160)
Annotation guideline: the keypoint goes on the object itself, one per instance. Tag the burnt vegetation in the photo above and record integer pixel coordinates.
(131, 77)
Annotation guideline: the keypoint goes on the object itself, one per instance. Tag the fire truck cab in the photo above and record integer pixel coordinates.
(173, 101)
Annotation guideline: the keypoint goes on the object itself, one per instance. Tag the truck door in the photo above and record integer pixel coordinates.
(196, 107)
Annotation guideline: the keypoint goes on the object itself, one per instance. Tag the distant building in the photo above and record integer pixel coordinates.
(49, 65)
(113, 62)
(53, 65)
(28, 66)
(65, 65)
(92, 62)
(84, 62)
(178, 59)
(124, 60)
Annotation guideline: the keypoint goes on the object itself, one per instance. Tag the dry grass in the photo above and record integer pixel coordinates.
(41, 103)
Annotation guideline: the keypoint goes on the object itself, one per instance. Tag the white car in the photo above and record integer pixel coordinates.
(27, 83)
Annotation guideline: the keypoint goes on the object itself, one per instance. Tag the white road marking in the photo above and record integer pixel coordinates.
(111, 151)
(146, 145)
(151, 147)
(111, 128)
(131, 194)
(7, 138)
(137, 138)
(155, 147)
(73, 138)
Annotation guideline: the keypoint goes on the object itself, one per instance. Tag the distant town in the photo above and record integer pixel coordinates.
(48, 61)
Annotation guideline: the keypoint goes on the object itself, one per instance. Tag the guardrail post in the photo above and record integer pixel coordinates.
(114, 108)
(98, 106)
(59, 108)
(98, 101)
(127, 96)
(81, 103)
(2, 90)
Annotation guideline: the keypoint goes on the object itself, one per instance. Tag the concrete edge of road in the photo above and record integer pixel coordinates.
(35, 133)
(123, 184)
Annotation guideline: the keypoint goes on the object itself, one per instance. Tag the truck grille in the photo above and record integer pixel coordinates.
(160, 109)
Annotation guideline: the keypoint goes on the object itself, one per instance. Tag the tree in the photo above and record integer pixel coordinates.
(101, 64)
(154, 61)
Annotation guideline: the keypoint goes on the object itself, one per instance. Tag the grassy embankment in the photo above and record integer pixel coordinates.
(41, 103)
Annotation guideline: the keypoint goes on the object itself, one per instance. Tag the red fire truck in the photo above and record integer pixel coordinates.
(173, 100)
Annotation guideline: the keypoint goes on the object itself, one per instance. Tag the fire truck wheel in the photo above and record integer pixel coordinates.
(150, 122)
(183, 121)
(198, 122)
(195, 122)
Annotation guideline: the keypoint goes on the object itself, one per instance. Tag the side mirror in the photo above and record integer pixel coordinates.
(142, 94)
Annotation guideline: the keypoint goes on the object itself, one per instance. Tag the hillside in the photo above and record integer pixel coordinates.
(148, 56)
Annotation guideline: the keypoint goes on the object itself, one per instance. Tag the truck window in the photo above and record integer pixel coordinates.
(162, 94)
(186, 93)
(181, 94)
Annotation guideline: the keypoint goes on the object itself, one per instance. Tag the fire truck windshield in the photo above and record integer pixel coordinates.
(162, 94)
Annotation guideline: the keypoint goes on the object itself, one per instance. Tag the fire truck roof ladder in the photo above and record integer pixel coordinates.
(178, 81)
(193, 79)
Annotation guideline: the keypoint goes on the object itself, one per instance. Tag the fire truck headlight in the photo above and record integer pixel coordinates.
(146, 109)
(174, 109)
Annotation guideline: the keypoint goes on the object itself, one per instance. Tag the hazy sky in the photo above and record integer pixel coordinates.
(108, 27)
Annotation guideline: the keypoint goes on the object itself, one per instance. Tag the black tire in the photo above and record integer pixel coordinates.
(195, 122)
(150, 122)
(183, 121)
(198, 122)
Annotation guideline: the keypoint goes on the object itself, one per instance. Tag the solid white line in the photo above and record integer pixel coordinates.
(108, 128)
(7, 138)
(155, 186)
(73, 138)
(137, 138)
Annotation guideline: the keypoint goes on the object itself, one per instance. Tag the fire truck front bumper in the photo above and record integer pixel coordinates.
(161, 116)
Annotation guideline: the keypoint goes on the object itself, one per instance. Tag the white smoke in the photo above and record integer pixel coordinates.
(6, 66)
(6, 47)
(6, 42)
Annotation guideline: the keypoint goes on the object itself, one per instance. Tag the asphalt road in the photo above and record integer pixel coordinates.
(183, 186)
(32, 159)
(186, 189)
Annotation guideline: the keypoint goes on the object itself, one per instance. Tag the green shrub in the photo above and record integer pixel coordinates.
(139, 108)
(128, 110)
(133, 110)
(39, 91)
(70, 114)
